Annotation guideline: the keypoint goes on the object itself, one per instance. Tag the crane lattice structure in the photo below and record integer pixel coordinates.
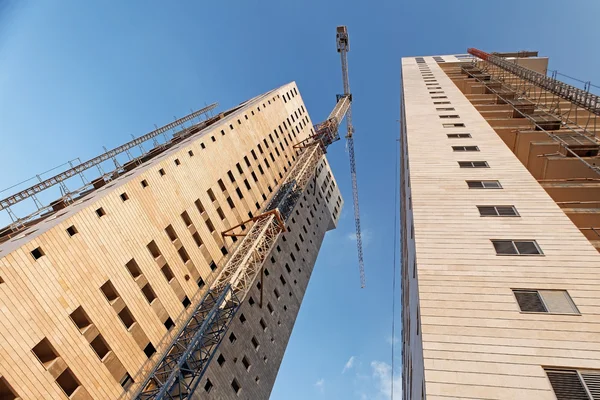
(343, 47)
(179, 372)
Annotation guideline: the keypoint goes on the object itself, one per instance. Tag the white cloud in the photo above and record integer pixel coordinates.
(320, 384)
(382, 377)
(349, 364)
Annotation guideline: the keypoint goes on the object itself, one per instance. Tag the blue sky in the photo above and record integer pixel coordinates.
(78, 75)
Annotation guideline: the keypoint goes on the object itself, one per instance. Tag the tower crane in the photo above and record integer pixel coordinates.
(179, 371)
(343, 47)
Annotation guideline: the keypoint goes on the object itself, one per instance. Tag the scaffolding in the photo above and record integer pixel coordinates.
(69, 196)
(540, 100)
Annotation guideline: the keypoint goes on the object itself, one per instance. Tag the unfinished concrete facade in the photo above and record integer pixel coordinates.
(91, 294)
(500, 264)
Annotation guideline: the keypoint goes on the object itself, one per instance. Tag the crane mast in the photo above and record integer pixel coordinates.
(179, 371)
(343, 47)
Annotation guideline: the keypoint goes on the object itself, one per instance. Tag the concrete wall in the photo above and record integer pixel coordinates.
(477, 344)
(37, 296)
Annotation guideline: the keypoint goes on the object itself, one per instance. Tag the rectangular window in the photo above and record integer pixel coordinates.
(211, 195)
(208, 386)
(230, 202)
(570, 384)
(68, 382)
(444, 109)
(6, 391)
(545, 301)
(516, 247)
(439, 97)
(484, 185)
(235, 385)
(80, 319)
(498, 211)
(458, 135)
(45, 353)
(473, 164)
(441, 102)
(465, 148)
(449, 116)
(99, 346)
(454, 125)
(255, 343)
(37, 253)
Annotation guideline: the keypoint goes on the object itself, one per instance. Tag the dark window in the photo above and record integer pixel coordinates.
(169, 323)
(208, 386)
(484, 185)
(235, 386)
(68, 382)
(162, 172)
(100, 212)
(498, 211)
(246, 363)
(473, 164)
(232, 338)
(465, 148)
(255, 343)
(221, 359)
(186, 302)
(144, 183)
(573, 384)
(37, 253)
(545, 301)
(124, 196)
(458, 135)
(242, 318)
(149, 350)
(516, 247)
(177, 162)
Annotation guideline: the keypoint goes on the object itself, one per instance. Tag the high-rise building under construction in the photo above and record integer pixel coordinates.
(104, 283)
(500, 230)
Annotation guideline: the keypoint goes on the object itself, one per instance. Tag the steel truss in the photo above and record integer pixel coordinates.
(178, 373)
(491, 71)
(69, 196)
(582, 98)
(180, 370)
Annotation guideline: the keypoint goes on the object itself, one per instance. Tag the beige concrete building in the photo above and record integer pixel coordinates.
(92, 292)
(501, 271)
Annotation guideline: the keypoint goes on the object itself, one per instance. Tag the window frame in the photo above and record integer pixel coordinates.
(514, 241)
(544, 303)
(465, 148)
(463, 164)
(483, 184)
(497, 212)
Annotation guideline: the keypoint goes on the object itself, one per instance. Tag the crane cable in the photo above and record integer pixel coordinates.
(396, 206)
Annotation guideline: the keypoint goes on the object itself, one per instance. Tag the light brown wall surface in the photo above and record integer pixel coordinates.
(37, 296)
(477, 344)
